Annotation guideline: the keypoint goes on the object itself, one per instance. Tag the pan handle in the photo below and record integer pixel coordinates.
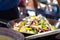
(3, 22)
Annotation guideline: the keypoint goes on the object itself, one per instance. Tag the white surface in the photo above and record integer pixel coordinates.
(31, 13)
(54, 1)
(42, 5)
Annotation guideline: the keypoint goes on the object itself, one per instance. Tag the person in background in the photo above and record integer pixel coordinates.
(22, 8)
(9, 10)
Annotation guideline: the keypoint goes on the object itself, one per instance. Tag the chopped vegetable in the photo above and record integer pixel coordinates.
(34, 25)
(53, 28)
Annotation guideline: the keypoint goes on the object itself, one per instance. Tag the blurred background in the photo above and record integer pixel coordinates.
(48, 8)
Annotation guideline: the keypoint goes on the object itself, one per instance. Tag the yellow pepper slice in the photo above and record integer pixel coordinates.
(45, 28)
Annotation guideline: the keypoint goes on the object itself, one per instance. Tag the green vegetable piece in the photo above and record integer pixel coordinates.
(53, 28)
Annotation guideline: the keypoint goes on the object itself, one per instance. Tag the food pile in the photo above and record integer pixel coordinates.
(34, 25)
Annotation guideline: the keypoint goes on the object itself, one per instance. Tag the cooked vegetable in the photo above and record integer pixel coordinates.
(34, 25)
(53, 28)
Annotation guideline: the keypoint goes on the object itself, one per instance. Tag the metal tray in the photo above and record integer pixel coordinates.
(52, 22)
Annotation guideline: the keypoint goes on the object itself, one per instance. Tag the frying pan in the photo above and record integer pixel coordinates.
(33, 36)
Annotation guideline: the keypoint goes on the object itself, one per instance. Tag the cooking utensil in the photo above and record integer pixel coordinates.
(29, 36)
